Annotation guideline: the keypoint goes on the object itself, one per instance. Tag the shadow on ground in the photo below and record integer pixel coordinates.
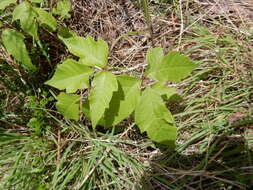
(225, 163)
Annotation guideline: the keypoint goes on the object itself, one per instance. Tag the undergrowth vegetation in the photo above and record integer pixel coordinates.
(125, 95)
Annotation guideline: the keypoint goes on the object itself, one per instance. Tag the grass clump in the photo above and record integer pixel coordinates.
(74, 159)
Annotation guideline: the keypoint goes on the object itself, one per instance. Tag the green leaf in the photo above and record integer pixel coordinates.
(123, 101)
(152, 116)
(62, 8)
(5, 3)
(103, 86)
(154, 58)
(165, 92)
(71, 75)
(68, 105)
(14, 44)
(91, 52)
(173, 66)
(46, 18)
(163, 133)
(26, 14)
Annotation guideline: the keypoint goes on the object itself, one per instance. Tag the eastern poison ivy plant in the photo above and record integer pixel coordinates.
(113, 98)
(29, 15)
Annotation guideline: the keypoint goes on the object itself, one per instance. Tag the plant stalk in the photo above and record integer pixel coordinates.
(145, 7)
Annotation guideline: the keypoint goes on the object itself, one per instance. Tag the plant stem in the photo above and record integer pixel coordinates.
(145, 7)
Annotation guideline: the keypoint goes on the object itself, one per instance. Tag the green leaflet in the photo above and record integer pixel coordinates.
(5, 3)
(26, 14)
(103, 86)
(14, 44)
(151, 106)
(68, 105)
(46, 18)
(172, 67)
(167, 93)
(163, 133)
(91, 52)
(62, 8)
(152, 116)
(123, 101)
(153, 58)
(175, 67)
(71, 75)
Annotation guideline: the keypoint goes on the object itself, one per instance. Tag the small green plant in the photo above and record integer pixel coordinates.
(38, 122)
(21, 25)
(28, 17)
(113, 98)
